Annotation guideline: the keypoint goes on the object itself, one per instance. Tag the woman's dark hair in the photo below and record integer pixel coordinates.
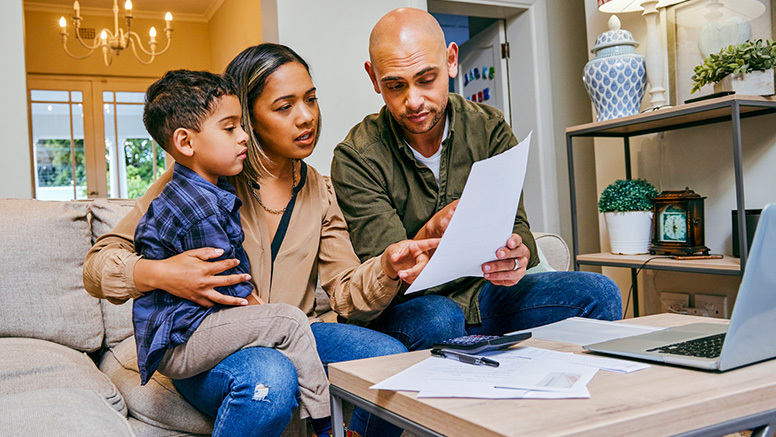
(250, 71)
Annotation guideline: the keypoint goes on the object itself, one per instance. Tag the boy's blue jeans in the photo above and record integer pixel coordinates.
(254, 391)
(538, 299)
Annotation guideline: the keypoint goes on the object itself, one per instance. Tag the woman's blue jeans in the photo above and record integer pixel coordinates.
(538, 299)
(254, 391)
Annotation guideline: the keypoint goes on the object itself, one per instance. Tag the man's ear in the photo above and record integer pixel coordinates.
(181, 141)
(370, 71)
(452, 59)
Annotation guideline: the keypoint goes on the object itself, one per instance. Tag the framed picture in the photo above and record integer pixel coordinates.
(697, 28)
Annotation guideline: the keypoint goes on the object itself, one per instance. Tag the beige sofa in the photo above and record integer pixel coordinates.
(67, 360)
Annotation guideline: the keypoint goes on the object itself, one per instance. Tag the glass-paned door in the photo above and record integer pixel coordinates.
(88, 138)
(58, 143)
(133, 159)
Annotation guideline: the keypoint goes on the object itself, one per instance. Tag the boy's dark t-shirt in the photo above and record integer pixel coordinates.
(190, 213)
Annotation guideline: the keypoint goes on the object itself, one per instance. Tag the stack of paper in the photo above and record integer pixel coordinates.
(523, 373)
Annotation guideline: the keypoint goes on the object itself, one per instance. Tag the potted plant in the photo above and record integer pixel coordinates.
(627, 207)
(746, 68)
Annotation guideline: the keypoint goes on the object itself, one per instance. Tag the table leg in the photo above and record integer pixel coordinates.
(337, 421)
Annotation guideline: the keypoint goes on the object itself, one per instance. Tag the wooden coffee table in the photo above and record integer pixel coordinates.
(660, 400)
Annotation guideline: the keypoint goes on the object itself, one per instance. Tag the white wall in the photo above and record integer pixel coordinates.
(333, 37)
(15, 167)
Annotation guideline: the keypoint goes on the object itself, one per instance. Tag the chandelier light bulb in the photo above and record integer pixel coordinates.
(152, 32)
(128, 5)
(62, 22)
(104, 35)
(168, 17)
(77, 8)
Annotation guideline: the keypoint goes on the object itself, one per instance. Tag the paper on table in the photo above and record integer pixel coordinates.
(610, 364)
(483, 220)
(505, 393)
(546, 375)
(439, 375)
(581, 331)
(426, 374)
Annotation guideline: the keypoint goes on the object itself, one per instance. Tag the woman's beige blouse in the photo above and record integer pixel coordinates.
(316, 244)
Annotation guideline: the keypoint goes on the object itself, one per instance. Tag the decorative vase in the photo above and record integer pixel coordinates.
(615, 79)
(629, 232)
(754, 83)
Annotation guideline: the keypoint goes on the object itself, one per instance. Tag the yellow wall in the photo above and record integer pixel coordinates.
(195, 45)
(191, 47)
(235, 26)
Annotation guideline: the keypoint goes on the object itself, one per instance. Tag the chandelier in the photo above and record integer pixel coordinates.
(112, 43)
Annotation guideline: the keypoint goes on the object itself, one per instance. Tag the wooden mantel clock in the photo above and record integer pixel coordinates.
(678, 224)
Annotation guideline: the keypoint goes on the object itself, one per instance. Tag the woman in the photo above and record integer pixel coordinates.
(294, 234)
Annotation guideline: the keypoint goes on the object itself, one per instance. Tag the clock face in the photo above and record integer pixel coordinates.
(673, 224)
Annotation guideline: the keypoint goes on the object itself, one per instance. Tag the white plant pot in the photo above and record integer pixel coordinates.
(629, 232)
(755, 83)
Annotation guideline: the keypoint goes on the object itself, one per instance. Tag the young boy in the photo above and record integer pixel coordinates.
(195, 117)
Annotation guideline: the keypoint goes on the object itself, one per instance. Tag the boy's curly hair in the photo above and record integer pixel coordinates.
(182, 99)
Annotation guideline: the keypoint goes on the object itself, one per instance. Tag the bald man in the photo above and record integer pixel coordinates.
(400, 173)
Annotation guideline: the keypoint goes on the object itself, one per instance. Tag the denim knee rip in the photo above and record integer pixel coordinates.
(260, 393)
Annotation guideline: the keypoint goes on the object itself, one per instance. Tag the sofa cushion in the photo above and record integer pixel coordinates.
(28, 364)
(118, 322)
(61, 412)
(553, 253)
(143, 429)
(105, 214)
(157, 403)
(41, 287)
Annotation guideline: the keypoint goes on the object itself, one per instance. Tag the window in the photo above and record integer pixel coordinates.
(88, 139)
(133, 158)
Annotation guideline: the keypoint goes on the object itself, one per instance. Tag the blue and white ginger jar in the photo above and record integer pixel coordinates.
(616, 77)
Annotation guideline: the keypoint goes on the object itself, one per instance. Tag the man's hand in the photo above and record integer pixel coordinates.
(406, 259)
(511, 265)
(190, 276)
(437, 225)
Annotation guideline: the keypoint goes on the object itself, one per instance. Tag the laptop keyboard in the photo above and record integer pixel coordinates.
(705, 347)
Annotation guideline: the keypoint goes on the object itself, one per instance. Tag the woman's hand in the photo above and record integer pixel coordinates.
(406, 259)
(190, 276)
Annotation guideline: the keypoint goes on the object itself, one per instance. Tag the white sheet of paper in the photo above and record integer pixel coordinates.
(610, 364)
(427, 375)
(440, 375)
(545, 375)
(581, 331)
(505, 393)
(483, 220)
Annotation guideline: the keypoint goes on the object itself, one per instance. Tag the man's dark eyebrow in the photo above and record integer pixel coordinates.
(418, 74)
(290, 96)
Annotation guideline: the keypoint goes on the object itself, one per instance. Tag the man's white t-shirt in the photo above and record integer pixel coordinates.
(432, 162)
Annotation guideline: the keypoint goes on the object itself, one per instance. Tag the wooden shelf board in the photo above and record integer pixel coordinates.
(708, 111)
(727, 265)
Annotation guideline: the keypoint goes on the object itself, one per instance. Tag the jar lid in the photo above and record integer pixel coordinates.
(614, 36)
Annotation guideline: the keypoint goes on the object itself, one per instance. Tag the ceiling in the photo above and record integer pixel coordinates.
(185, 9)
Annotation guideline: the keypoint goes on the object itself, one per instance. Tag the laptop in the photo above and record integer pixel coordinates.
(747, 339)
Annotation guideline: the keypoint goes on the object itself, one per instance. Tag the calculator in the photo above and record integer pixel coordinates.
(482, 343)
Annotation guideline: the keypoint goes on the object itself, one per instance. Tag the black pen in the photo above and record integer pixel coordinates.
(464, 358)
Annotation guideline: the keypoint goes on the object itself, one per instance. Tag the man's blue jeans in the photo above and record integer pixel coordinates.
(254, 391)
(538, 299)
